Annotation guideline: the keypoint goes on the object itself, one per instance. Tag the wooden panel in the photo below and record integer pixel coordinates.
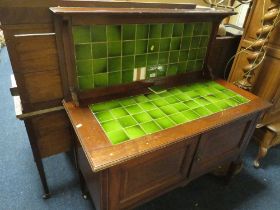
(219, 145)
(41, 86)
(145, 173)
(52, 133)
(36, 53)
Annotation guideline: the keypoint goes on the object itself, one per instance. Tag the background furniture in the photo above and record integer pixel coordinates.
(266, 81)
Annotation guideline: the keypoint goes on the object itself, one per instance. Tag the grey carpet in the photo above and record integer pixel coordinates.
(20, 186)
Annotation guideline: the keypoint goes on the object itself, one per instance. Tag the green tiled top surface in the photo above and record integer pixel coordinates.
(108, 55)
(132, 117)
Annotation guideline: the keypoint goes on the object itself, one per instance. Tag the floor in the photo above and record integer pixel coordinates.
(20, 188)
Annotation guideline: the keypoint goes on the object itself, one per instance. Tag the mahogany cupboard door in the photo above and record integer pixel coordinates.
(221, 145)
(151, 175)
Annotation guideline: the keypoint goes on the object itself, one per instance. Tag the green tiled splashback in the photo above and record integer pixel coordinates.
(108, 55)
(129, 118)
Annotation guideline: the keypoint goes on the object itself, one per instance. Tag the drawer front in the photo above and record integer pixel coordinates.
(219, 146)
(151, 174)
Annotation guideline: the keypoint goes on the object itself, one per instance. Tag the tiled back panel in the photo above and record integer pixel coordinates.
(129, 118)
(108, 55)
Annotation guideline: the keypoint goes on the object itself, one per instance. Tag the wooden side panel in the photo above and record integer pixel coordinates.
(219, 146)
(52, 133)
(148, 176)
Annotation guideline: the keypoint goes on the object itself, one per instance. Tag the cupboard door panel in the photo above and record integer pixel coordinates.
(151, 174)
(222, 144)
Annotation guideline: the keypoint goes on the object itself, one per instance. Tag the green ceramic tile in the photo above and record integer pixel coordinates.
(155, 31)
(98, 33)
(182, 67)
(127, 101)
(163, 58)
(169, 109)
(104, 106)
(141, 98)
(167, 30)
(192, 55)
(101, 80)
(141, 46)
(142, 31)
(84, 67)
(191, 115)
(104, 116)
(142, 117)
(240, 99)
(127, 76)
(201, 111)
(140, 60)
(165, 93)
(174, 56)
(153, 96)
(229, 92)
(114, 64)
(172, 69)
(114, 49)
(164, 44)
(171, 99)
(184, 54)
(150, 127)
(204, 41)
(182, 97)
(198, 65)
(127, 62)
(133, 109)
(201, 53)
(165, 123)
(213, 108)
(128, 32)
(81, 34)
(175, 43)
(191, 104)
(134, 132)
(128, 48)
(111, 125)
(192, 94)
(152, 59)
(119, 112)
(202, 101)
(127, 121)
(114, 78)
(147, 106)
(197, 29)
(222, 105)
(156, 113)
(212, 98)
(190, 65)
(188, 29)
(179, 118)
(162, 70)
(174, 91)
(99, 50)
(99, 65)
(117, 137)
(195, 42)
(85, 82)
(113, 32)
(180, 106)
(153, 45)
(178, 29)
(160, 102)
(206, 29)
(83, 51)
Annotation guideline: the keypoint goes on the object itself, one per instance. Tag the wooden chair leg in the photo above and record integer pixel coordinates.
(262, 153)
